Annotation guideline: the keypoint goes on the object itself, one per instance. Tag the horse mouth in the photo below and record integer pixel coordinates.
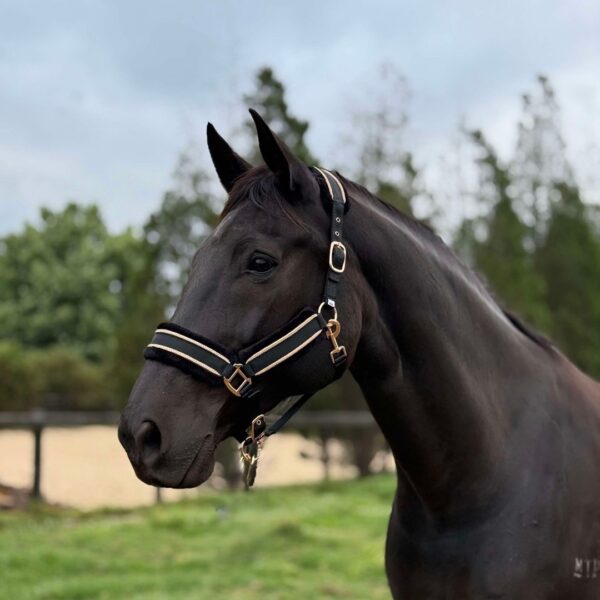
(165, 473)
(201, 466)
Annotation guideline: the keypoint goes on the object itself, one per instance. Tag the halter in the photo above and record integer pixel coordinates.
(238, 370)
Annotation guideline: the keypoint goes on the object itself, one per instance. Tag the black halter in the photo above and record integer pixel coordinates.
(237, 371)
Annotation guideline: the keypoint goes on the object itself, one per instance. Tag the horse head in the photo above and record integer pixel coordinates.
(250, 280)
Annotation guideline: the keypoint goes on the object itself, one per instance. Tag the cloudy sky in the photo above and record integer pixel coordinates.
(98, 97)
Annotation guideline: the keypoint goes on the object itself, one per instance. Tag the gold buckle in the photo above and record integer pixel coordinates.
(337, 350)
(230, 385)
(332, 247)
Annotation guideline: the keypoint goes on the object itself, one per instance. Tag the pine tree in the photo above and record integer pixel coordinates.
(569, 261)
(540, 156)
(385, 166)
(496, 244)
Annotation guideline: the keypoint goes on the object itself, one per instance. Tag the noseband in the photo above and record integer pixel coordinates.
(238, 370)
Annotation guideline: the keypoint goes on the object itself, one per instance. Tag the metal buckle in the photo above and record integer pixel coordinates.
(249, 450)
(230, 385)
(338, 354)
(332, 247)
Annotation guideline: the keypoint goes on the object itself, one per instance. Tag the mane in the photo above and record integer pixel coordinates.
(259, 186)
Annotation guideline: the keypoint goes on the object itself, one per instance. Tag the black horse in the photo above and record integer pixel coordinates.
(495, 434)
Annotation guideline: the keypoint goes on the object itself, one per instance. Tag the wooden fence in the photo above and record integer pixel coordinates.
(324, 422)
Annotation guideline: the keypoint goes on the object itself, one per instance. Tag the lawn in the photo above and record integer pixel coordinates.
(321, 541)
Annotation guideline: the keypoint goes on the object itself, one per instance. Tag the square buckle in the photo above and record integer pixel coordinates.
(237, 388)
(332, 247)
(338, 355)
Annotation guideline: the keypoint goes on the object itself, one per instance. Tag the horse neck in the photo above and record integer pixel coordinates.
(433, 358)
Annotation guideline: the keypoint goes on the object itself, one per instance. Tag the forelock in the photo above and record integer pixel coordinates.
(259, 186)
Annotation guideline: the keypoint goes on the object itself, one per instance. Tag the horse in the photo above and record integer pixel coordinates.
(494, 433)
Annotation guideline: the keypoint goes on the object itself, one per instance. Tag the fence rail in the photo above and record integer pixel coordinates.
(37, 420)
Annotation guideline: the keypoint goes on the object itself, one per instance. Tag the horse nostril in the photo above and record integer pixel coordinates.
(124, 435)
(148, 439)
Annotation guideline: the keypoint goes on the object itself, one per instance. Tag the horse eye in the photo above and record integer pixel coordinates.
(261, 263)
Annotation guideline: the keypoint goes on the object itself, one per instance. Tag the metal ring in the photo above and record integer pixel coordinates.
(332, 307)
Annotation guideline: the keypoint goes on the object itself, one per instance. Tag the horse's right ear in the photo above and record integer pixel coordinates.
(229, 164)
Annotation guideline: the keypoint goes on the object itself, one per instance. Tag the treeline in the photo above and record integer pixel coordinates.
(78, 303)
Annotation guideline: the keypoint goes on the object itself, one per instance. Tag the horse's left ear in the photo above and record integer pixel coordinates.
(229, 164)
(292, 174)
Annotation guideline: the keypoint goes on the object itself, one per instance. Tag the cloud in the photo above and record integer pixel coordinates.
(98, 97)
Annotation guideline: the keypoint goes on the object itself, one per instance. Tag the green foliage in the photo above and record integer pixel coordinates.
(268, 98)
(319, 542)
(53, 378)
(569, 260)
(536, 241)
(142, 308)
(74, 300)
(497, 244)
(59, 282)
(174, 232)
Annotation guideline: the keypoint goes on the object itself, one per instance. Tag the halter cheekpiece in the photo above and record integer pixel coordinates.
(238, 370)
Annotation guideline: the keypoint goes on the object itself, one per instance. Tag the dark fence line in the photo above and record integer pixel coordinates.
(37, 420)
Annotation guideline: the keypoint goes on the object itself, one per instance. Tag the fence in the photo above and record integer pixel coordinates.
(37, 420)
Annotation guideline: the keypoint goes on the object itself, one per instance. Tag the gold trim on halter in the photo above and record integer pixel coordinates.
(281, 339)
(192, 341)
(323, 171)
(186, 356)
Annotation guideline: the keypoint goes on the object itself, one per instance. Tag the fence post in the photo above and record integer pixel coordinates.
(325, 458)
(36, 492)
(158, 498)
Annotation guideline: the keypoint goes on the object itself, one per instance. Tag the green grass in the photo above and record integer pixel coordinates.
(321, 541)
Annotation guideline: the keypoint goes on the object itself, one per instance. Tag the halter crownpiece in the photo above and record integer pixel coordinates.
(237, 370)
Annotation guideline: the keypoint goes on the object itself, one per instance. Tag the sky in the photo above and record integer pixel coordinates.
(98, 97)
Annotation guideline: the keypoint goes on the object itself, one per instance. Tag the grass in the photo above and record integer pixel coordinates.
(321, 541)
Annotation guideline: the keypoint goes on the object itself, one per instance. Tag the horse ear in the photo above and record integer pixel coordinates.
(228, 164)
(293, 175)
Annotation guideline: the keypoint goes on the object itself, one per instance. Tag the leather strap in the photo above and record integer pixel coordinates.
(337, 251)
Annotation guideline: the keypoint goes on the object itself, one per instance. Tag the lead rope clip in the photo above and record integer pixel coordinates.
(249, 450)
(338, 354)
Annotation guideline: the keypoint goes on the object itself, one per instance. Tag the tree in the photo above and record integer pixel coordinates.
(496, 243)
(174, 233)
(59, 283)
(569, 260)
(540, 156)
(142, 308)
(385, 166)
(269, 99)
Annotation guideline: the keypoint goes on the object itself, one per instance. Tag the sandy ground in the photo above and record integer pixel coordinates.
(87, 468)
